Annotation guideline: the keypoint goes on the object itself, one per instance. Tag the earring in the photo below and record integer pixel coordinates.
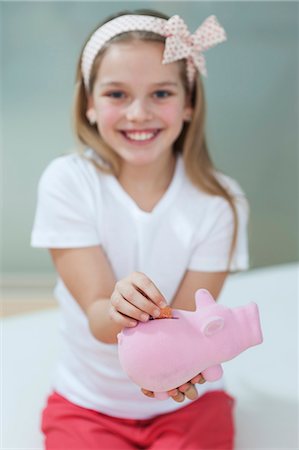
(91, 116)
(188, 114)
(188, 117)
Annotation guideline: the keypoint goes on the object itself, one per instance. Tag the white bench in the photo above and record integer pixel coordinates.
(264, 379)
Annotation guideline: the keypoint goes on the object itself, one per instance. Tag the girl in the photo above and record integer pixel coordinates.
(139, 219)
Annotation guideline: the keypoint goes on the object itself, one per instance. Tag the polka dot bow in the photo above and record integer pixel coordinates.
(180, 43)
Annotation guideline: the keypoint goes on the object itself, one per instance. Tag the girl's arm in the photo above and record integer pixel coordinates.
(89, 278)
(184, 297)
(109, 306)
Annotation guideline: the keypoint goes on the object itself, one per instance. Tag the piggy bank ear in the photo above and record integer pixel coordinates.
(212, 325)
(203, 298)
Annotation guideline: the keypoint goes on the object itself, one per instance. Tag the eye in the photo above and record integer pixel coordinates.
(162, 94)
(115, 94)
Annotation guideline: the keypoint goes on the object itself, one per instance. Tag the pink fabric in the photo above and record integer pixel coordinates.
(179, 42)
(206, 423)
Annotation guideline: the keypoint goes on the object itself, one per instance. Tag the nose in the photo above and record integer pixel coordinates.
(138, 111)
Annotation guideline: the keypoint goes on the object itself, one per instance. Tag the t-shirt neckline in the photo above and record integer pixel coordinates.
(168, 197)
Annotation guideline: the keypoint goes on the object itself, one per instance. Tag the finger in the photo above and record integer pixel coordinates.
(148, 288)
(128, 309)
(183, 387)
(120, 319)
(148, 393)
(176, 395)
(198, 379)
(180, 397)
(137, 298)
(172, 392)
(191, 392)
(202, 380)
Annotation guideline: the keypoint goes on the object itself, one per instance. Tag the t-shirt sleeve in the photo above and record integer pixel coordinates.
(68, 206)
(213, 241)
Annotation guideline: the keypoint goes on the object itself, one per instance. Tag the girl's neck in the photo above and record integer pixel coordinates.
(147, 184)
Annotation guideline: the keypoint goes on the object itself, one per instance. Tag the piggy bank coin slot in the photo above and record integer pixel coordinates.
(213, 325)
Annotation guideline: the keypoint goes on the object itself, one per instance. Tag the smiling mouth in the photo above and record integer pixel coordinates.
(140, 136)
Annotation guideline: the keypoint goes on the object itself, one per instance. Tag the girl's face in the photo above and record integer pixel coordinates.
(139, 103)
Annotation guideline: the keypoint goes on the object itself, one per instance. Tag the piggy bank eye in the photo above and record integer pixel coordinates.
(212, 326)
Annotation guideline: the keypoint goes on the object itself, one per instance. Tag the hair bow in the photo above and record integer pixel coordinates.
(180, 43)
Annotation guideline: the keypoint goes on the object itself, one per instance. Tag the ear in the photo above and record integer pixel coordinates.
(90, 111)
(203, 298)
(188, 109)
(212, 325)
(91, 116)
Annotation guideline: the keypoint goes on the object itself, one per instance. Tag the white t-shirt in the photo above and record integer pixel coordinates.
(79, 206)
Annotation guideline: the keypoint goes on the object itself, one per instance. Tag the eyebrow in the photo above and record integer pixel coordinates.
(119, 83)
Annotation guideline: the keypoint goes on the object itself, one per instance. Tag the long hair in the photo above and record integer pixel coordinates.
(191, 143)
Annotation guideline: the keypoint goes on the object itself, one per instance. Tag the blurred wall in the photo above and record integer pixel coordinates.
(252, 96)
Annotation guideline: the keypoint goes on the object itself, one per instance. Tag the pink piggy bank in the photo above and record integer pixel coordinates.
(160, 355)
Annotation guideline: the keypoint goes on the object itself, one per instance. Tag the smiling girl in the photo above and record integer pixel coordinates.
(138, 220)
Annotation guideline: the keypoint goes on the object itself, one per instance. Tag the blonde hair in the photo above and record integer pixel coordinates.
(191, 143)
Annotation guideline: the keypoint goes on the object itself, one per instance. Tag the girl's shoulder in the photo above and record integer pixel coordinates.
(71, 168)
(210, 206)
(67, 163)
(231, 184)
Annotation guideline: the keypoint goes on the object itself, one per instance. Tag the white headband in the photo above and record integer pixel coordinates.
(179, 42)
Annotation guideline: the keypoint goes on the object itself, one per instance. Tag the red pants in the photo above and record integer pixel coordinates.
(207, 423)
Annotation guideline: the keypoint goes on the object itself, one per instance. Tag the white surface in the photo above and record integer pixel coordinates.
(30, 346)
(264, 379)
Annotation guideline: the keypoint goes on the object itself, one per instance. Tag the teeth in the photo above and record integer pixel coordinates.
(140, 135)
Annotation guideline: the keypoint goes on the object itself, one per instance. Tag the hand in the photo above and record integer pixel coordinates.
(135, 298)
(185, 390)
